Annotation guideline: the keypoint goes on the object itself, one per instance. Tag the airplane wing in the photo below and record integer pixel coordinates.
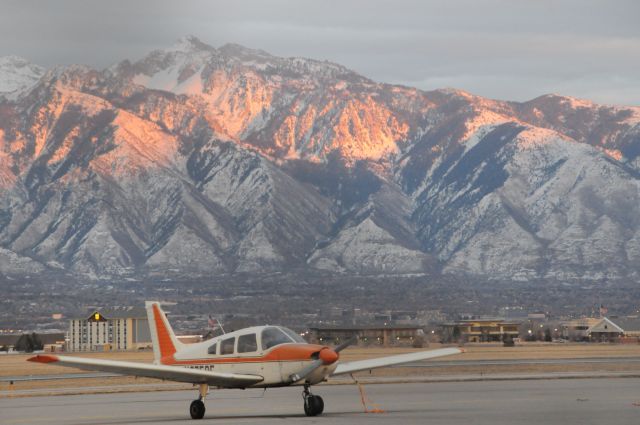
(170, 373)
(359, 365)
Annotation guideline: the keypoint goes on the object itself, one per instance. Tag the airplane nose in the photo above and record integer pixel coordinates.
(328, 356)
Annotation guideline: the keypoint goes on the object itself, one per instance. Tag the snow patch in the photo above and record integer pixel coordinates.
(367, 248)
(17, 76)
(167, 80)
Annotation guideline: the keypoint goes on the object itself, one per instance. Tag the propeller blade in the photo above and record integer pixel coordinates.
(345, 344)
(306, 371)
(325, 357)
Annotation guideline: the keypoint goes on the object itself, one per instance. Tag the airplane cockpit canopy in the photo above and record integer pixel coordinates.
(273, 335)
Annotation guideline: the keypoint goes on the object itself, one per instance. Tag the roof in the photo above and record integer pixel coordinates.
(469, 321)
(627, 324)
(118, 313)
(585, 321)
(605, 325)
(362, 327)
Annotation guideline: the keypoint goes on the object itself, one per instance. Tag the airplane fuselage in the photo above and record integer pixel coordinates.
(230, 353)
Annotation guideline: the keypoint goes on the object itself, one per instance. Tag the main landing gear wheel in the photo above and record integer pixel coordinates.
(313, 404)
(197, 406)
(197, 409)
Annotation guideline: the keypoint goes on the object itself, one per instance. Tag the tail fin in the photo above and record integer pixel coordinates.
(165, 343)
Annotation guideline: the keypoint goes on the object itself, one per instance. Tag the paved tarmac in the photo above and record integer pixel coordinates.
(558, 401)
(340, 380)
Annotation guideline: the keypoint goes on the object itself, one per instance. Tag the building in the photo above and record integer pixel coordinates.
(480, 330)
(578, 329)
(398, 335)
(110, 329)
(616, 329)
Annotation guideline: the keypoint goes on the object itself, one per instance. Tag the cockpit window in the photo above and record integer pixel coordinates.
(273, 336)
(247, 343)
(213, 348)
(226, 346)
(296, 337)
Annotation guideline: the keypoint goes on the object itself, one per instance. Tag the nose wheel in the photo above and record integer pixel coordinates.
(313, 404)
(197, 408)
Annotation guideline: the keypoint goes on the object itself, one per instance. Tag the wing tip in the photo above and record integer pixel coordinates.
(43, 358)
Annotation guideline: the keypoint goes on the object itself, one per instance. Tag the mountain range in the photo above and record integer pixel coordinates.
(197, 161)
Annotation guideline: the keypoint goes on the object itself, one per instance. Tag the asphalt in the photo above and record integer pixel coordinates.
(557, 401)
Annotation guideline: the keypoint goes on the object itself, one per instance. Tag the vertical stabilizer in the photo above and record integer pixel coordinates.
(165, 343)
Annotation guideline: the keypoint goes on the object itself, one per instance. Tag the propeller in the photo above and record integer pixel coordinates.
(345, 344)
(324, 357)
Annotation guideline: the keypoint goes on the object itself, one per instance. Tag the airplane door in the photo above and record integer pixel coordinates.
(248, 349)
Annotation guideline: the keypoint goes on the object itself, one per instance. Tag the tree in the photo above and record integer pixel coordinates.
(24, 344)
(29, 343)
(507, 340)
(456, 333)
(37, 342)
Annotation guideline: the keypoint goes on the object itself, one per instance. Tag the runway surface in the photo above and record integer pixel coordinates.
(565, 402)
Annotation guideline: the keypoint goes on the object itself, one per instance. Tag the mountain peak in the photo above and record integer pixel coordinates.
(233, 49)
(13, 60)
(18, 74)
(571, 101)
(189, 43)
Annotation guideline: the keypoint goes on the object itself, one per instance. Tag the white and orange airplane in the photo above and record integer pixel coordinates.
(256, 357)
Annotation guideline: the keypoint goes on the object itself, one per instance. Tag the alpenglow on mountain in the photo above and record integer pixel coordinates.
(198, 160)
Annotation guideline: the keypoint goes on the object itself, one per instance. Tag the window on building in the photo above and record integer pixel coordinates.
(213, 349)
(247, 343)
(226, 346)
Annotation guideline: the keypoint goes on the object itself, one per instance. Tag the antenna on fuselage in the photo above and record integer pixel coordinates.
(215, 323)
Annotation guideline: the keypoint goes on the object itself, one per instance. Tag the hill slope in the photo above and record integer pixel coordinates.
(196, 160)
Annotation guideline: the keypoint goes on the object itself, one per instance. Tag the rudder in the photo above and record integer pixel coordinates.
(165, 343)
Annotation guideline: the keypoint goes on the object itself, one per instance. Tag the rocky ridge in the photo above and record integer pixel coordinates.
(197, 160)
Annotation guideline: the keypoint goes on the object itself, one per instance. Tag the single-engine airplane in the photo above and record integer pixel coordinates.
(256, 357)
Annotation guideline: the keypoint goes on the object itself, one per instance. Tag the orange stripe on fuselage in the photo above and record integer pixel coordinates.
(165, 343)
(286, 352)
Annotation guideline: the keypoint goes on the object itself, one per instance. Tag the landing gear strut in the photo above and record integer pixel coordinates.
(197, 406)
(313, 404)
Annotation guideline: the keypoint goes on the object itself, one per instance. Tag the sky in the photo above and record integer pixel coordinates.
(503, 49)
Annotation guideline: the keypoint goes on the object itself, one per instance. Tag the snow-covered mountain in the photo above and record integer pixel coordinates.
(197, 160)
(17, 75)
